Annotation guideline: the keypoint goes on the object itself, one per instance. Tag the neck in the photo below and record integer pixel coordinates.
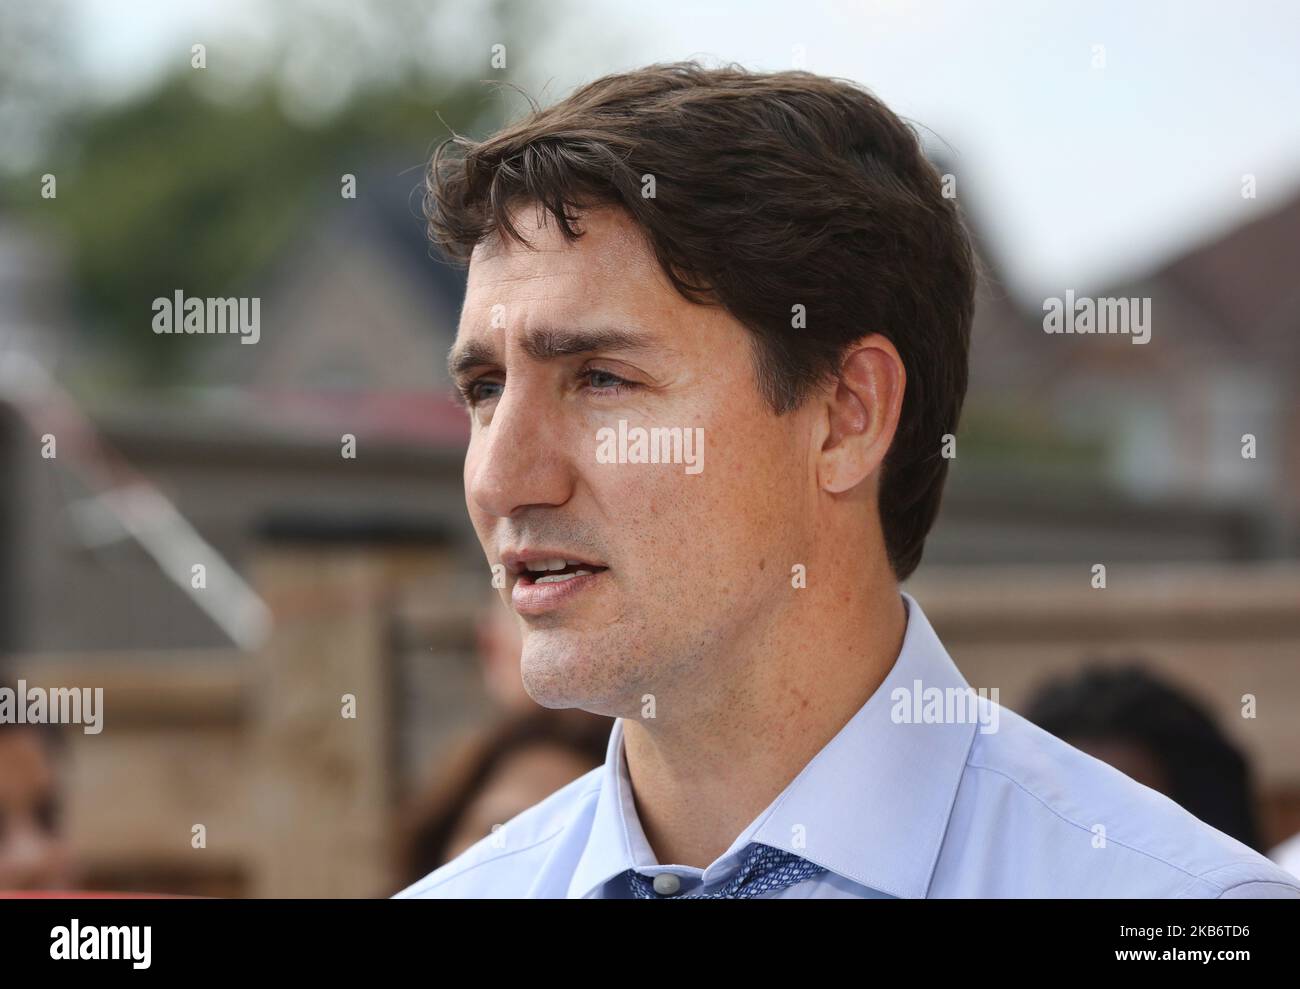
(701, 776)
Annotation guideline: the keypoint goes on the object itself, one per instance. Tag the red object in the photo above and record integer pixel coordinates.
(81, 894)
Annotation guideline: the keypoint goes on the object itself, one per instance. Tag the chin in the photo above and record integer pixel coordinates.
(562, 671)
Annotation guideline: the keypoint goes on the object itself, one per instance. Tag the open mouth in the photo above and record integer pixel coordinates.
(556, 571)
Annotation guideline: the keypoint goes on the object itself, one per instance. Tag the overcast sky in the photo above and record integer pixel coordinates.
(1077, 174)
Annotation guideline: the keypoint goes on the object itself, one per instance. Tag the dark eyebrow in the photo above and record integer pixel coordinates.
(474, 354)
(544, 345)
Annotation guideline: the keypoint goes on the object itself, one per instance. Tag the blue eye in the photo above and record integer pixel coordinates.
(612, 383)
(473, 392)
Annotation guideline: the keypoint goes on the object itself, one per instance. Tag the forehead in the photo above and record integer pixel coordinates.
(610, 267)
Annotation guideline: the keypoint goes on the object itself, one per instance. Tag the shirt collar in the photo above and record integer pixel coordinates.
(871, 806)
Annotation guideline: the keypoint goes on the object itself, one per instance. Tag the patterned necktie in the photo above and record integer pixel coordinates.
(763, 869)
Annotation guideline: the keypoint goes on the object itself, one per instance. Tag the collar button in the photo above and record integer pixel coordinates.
(666, 884)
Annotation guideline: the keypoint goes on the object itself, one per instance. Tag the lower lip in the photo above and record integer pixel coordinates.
(536, 599)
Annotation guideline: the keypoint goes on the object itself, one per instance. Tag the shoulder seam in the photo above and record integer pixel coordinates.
(1257, 882)
(1074, 824)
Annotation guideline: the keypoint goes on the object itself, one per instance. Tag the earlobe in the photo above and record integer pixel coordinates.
(833, 484)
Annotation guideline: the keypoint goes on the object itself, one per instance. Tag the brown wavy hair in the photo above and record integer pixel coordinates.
(771, 190)
(429, 822)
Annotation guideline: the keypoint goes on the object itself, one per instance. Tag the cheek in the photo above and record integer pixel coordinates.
(661, 511)
(750, 465)
(751, 485)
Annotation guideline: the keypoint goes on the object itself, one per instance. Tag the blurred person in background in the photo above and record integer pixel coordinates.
(495, 774)
(1156, 734)
(500, 643)
(33, 852)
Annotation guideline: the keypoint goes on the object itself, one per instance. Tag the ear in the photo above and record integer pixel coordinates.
(862, 414)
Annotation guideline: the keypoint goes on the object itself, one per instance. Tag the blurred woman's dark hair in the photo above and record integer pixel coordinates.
(1206, 774)
(431, 822)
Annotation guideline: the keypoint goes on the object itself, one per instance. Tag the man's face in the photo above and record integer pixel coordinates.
(679, 569)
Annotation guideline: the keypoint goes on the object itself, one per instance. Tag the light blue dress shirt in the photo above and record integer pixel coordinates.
(930, 790)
